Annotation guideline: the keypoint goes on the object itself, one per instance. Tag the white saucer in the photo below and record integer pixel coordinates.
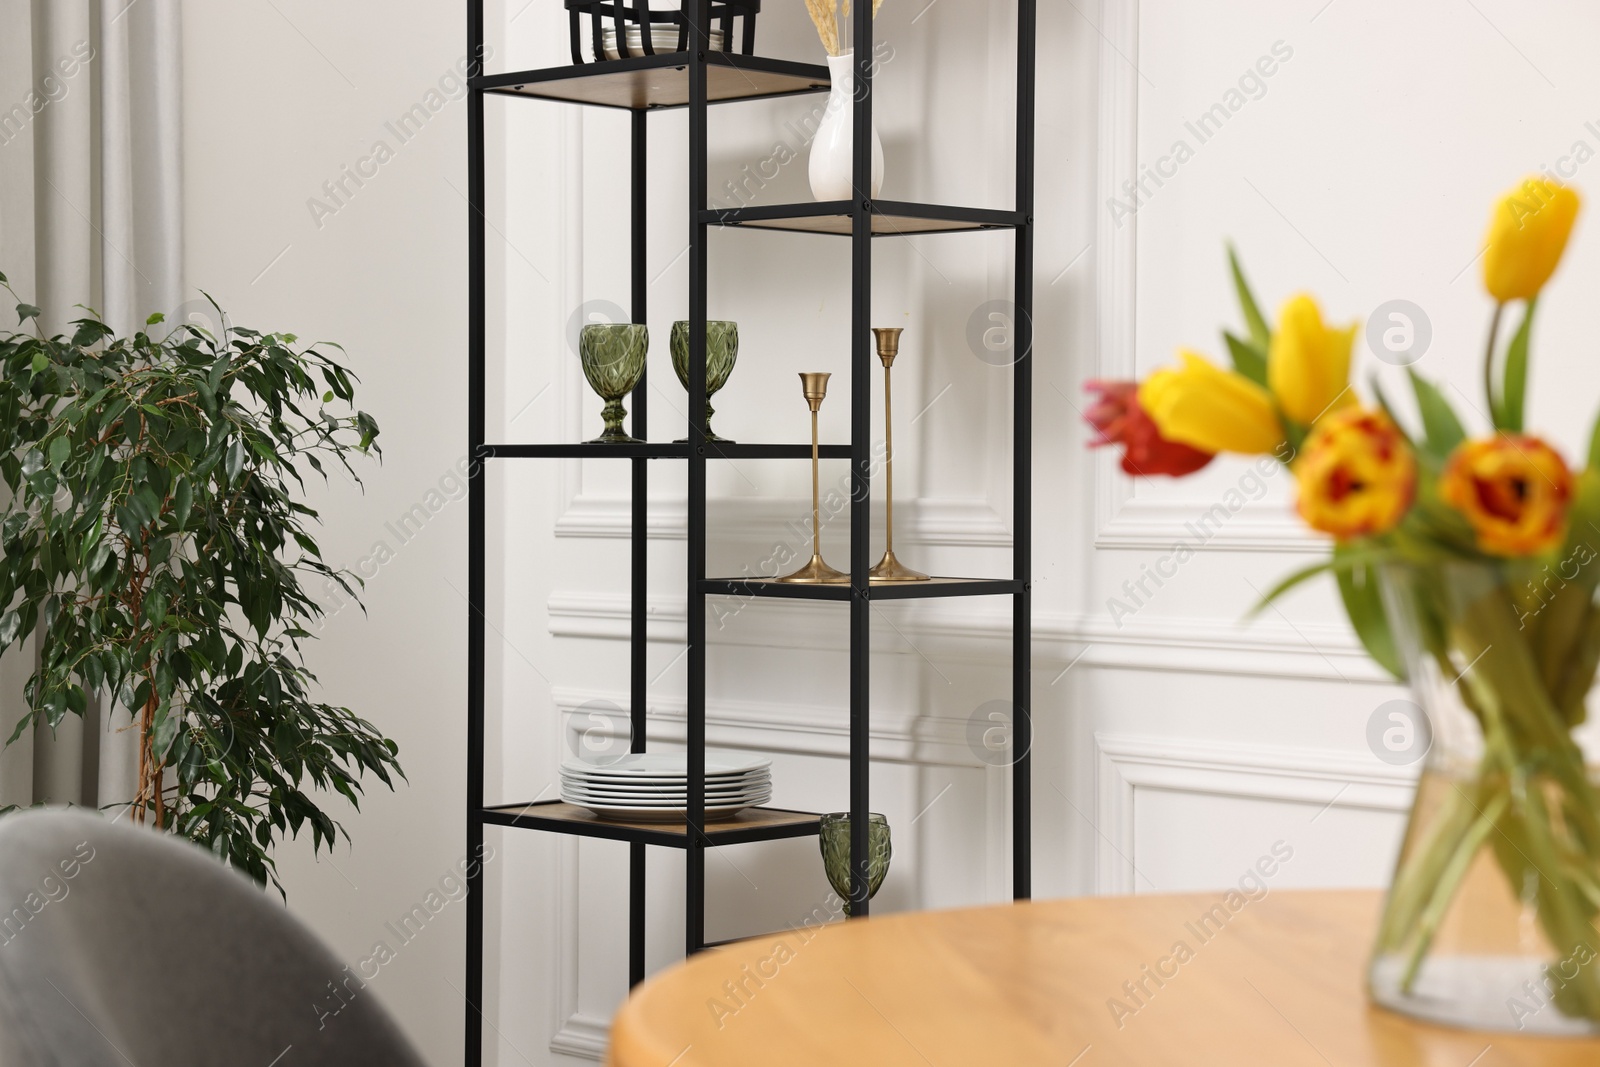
(601, 775)
(666, 765)
(657, 784)
(574, 796)
(675, 793)
(631, 814)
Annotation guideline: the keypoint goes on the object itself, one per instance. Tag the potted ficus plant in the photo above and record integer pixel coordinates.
(1466, 563)
(156, 542)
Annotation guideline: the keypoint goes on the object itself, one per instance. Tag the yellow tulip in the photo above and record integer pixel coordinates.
(1527, 235)
(1308, 366)
(1201, 405)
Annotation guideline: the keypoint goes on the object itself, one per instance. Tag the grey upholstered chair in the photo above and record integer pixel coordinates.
(120, 946)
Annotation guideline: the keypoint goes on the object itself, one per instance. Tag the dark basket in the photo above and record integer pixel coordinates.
(638, 14)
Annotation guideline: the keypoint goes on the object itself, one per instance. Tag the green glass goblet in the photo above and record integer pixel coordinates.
(613, 357)
(835, 840)
(722, 352)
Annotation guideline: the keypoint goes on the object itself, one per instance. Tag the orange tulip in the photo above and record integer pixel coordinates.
(1514, 489)
(1357, 475)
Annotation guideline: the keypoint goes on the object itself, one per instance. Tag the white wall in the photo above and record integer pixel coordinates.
(1362, 169)
(278, 97)
(1177, 747)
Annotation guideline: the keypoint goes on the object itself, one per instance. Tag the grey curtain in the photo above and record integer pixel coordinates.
(90, 213)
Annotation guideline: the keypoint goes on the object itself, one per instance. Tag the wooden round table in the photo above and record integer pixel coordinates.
(1066, 983)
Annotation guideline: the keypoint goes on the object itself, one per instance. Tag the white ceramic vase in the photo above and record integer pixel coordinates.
(833, 150)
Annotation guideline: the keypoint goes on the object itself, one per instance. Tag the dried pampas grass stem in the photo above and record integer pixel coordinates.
(825, 15)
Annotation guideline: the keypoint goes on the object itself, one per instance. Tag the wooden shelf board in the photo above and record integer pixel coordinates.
(662, 450)
(933, 588)
(662, 81)
(890, 218)
(753, 824)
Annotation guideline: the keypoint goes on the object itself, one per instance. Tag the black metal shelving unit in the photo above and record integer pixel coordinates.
(696, 79)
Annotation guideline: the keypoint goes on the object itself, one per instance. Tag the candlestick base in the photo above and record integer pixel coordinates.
(816, 572)
(890, 569)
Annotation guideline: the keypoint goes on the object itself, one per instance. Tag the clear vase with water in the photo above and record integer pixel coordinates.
(1491, 919)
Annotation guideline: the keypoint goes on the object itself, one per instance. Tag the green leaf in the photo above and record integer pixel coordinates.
(60, 452)
(1358, 585)
(10, 625)
(1294, 580)
(26, 312)
(1513, 396)
(1247, 359)
(1343, 559)
(92, 671)
(155, 318)
(165, 731)
(1439, 422)
(235, 462)
(1388, 409)
(218, 369)
(1594, 446)
(1260, 336)
(182, 502)
(40, 362)
(90, 332)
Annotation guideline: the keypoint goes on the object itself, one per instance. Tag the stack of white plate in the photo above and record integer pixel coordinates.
(663, 38)
(654, 787)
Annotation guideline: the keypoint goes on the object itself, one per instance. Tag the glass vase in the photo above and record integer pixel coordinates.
(1490, 921)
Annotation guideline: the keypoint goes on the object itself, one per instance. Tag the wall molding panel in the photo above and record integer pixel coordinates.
(973, 523)
(1125, 764)
(1264, 649)
(1158, 525)
(582, 1036)
(898, 735)
(1124, 519)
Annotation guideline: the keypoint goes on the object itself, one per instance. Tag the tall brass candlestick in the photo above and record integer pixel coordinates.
(816, 572)
(890, 569)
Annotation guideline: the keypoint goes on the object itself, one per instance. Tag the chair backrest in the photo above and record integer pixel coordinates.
(121, 945)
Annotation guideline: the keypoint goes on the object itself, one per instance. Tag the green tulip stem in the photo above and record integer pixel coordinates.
(1488, 362)
(1447, 882)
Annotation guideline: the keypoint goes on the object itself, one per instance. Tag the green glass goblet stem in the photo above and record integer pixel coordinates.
(613, 356)
(722, 352)
(834, 837)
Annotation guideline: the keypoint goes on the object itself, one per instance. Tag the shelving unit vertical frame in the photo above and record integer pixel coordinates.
(477, 529)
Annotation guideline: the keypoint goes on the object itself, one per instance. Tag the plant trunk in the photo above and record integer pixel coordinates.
(150, 770)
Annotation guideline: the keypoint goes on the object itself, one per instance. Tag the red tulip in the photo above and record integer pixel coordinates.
(1119, 420)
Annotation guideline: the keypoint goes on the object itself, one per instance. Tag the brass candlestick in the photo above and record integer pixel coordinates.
(816, 572)
(890, 569)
